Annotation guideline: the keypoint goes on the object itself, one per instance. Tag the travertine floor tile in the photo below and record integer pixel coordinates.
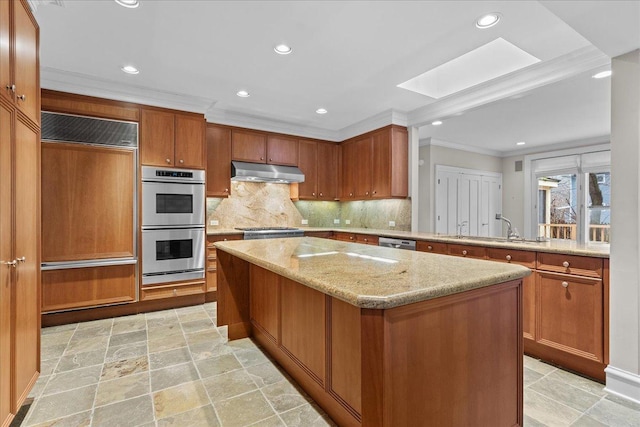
(132, 412)
(128, 338)
(265, 374)
(587, 421)
(190, 317)
(306, 415)
(251, 357)
(182, 398)
(173, 375)
(217, 365)
(80, 360)
(127, 351)
(169, 358)
(283, 396)
(197, 325)
(228, 385)
(166, 343)
(274, 421)
(82, 345)
(61, 404)
(204, 416)
(614, 414)
(564, 393)
(547, 411)
(243, 410)
(82, 419)
(122, 388)
(122, 368)
(72, 379)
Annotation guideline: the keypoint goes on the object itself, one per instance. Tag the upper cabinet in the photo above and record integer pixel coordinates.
(218, 160)
(375, 165)
(172, 139)
(19, 71)
(259, 147)
(318, 160)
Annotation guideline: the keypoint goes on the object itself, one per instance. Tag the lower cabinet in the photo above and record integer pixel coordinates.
(365, 239)
(171, 290)
(210, 273)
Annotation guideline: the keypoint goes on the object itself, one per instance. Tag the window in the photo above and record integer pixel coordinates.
(573, 197)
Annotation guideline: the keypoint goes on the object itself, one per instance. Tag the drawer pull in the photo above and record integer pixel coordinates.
(508, 257)
(430, 248)
(464, 252)
(565, 264)
(351, 238)
(175, 292)
(565, 284)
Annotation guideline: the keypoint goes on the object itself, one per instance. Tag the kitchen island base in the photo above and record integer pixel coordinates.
(449, 361)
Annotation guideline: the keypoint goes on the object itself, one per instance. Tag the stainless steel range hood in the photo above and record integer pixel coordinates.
(260, 172)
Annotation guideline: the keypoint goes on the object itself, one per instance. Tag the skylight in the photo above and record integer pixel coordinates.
(494, 59)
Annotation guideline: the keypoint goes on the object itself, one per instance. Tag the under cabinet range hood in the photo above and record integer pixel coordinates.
(260, 172)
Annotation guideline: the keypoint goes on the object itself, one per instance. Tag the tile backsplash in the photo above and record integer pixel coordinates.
(265, 204)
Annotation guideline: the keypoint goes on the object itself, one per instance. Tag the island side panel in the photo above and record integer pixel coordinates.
(455, 360)
(233, 295)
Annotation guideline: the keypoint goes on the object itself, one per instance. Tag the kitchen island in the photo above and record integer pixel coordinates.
(379, 336)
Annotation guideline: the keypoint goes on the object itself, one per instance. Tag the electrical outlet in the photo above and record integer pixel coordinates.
(347, 221)
(214, 222)
(392, 223)
(305, 222)
(336, 221)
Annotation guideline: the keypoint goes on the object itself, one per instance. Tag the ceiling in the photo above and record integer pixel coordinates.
(348, 57)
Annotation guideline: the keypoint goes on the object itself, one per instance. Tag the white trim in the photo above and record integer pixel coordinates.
(622, 383)
(377, 121)
(414, 176)
(532, 77)
(454, 169)
(461, 147)
(577, 143)
(529, 227)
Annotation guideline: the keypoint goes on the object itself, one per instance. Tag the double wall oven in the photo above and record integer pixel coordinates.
(173, 225)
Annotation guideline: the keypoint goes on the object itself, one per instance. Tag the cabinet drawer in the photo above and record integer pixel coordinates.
(345, 237)
(467, 251)
(433, 247)
(170, 291)
(320, 234)
(211, 261)
(367, 239)
(528, 259)
(571, 314)
(570, 264)
(222, 238)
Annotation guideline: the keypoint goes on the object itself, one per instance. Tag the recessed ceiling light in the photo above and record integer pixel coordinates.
(243, 94)
(321, 111)
(520, 143)
(283, 49)
(602, 74)
(131, 4)
(488, 20)
(130, 69)
(437, 123)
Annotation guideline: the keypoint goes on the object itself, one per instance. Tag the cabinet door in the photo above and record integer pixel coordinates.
(6, 255)
(5, 68)
(264, 301)
(381, 165)
(26, 61)
(349, 164)
(189, 141)
(27, 286)
(308, 163)
(570, 315)
(282, 150)
(327, 171)
(467, 251)
(432, 247)
(218, 161)
(157, 130)
(248, 146)
(362, 168)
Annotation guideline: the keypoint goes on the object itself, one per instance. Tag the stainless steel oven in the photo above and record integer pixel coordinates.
(172, 254)
(172, 197)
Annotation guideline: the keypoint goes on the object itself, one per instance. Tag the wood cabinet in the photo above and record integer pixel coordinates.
(318, 160)
(433, 247)
(467, 251)
(282, 150)
(19, 207)
(365, 239)
(375, 165)
(172, 290)
(172, 139)
(218, 161)
(210, 274)
(319, 234)
(19, 61)
(261, 147)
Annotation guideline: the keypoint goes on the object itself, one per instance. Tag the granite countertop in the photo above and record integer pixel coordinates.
(371, 276)
(569, 247)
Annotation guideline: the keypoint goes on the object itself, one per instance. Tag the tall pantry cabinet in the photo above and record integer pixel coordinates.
(19, 206)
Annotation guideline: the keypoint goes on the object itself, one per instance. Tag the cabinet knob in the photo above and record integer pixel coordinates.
(366, 193)
(464, 252)
(226, 190)
(366, 240)
(12, 88)
(225, 239)
(374, 191)
(565, 284)
(175, 292)
(508, 257)
(350, 194)
(261, 158)
(11, 263)
(167, 160)
(351, 238)
(22, 259)
(181, 161)
(313, 194)
(429, 248)
(565, 264)
(270, 159)
(22, 97)
(320, 194)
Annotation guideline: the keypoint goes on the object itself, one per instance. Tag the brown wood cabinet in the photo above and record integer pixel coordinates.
(218, 160)
(171, 290)
(467, 251)
(261, 147)
(308, 164)
(433, 247)
(375, 165)
(365, 239)
(282, 150)
(172, 139)
(210, 274)
(19, 207)
(19, 60)
(318, 160)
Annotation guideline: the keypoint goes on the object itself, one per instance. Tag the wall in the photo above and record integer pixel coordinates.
(252, 204)
(513, 192)
(623, 372)
(433, 155)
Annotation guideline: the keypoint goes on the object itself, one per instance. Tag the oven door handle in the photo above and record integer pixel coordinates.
(64, 265)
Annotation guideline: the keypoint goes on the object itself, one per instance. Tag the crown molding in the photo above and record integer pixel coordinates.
(532, 77)
(564, 145)
(385, 118)
(460, 147)
(82, 84)
(35, 4)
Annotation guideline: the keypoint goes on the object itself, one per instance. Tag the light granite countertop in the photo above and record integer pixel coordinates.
(568, 247)
(371, 276)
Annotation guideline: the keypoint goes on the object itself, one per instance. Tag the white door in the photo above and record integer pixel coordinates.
(469, 204)
(446, 202)
(491, 204)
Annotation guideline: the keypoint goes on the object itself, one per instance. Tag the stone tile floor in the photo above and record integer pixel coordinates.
(176, 368)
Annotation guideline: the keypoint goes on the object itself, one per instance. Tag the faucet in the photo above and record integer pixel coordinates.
(462, 224)
(512, 232)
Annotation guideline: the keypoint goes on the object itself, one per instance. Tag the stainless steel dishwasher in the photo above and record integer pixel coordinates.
(397, 243)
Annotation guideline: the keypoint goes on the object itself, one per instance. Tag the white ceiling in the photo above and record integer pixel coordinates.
(348, 57)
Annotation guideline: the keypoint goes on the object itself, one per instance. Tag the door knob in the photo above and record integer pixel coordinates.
(22, 259)
(22, 97)
(11, 263)
(12, 88)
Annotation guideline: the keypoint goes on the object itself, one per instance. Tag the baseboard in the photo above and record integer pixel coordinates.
(623, 384)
